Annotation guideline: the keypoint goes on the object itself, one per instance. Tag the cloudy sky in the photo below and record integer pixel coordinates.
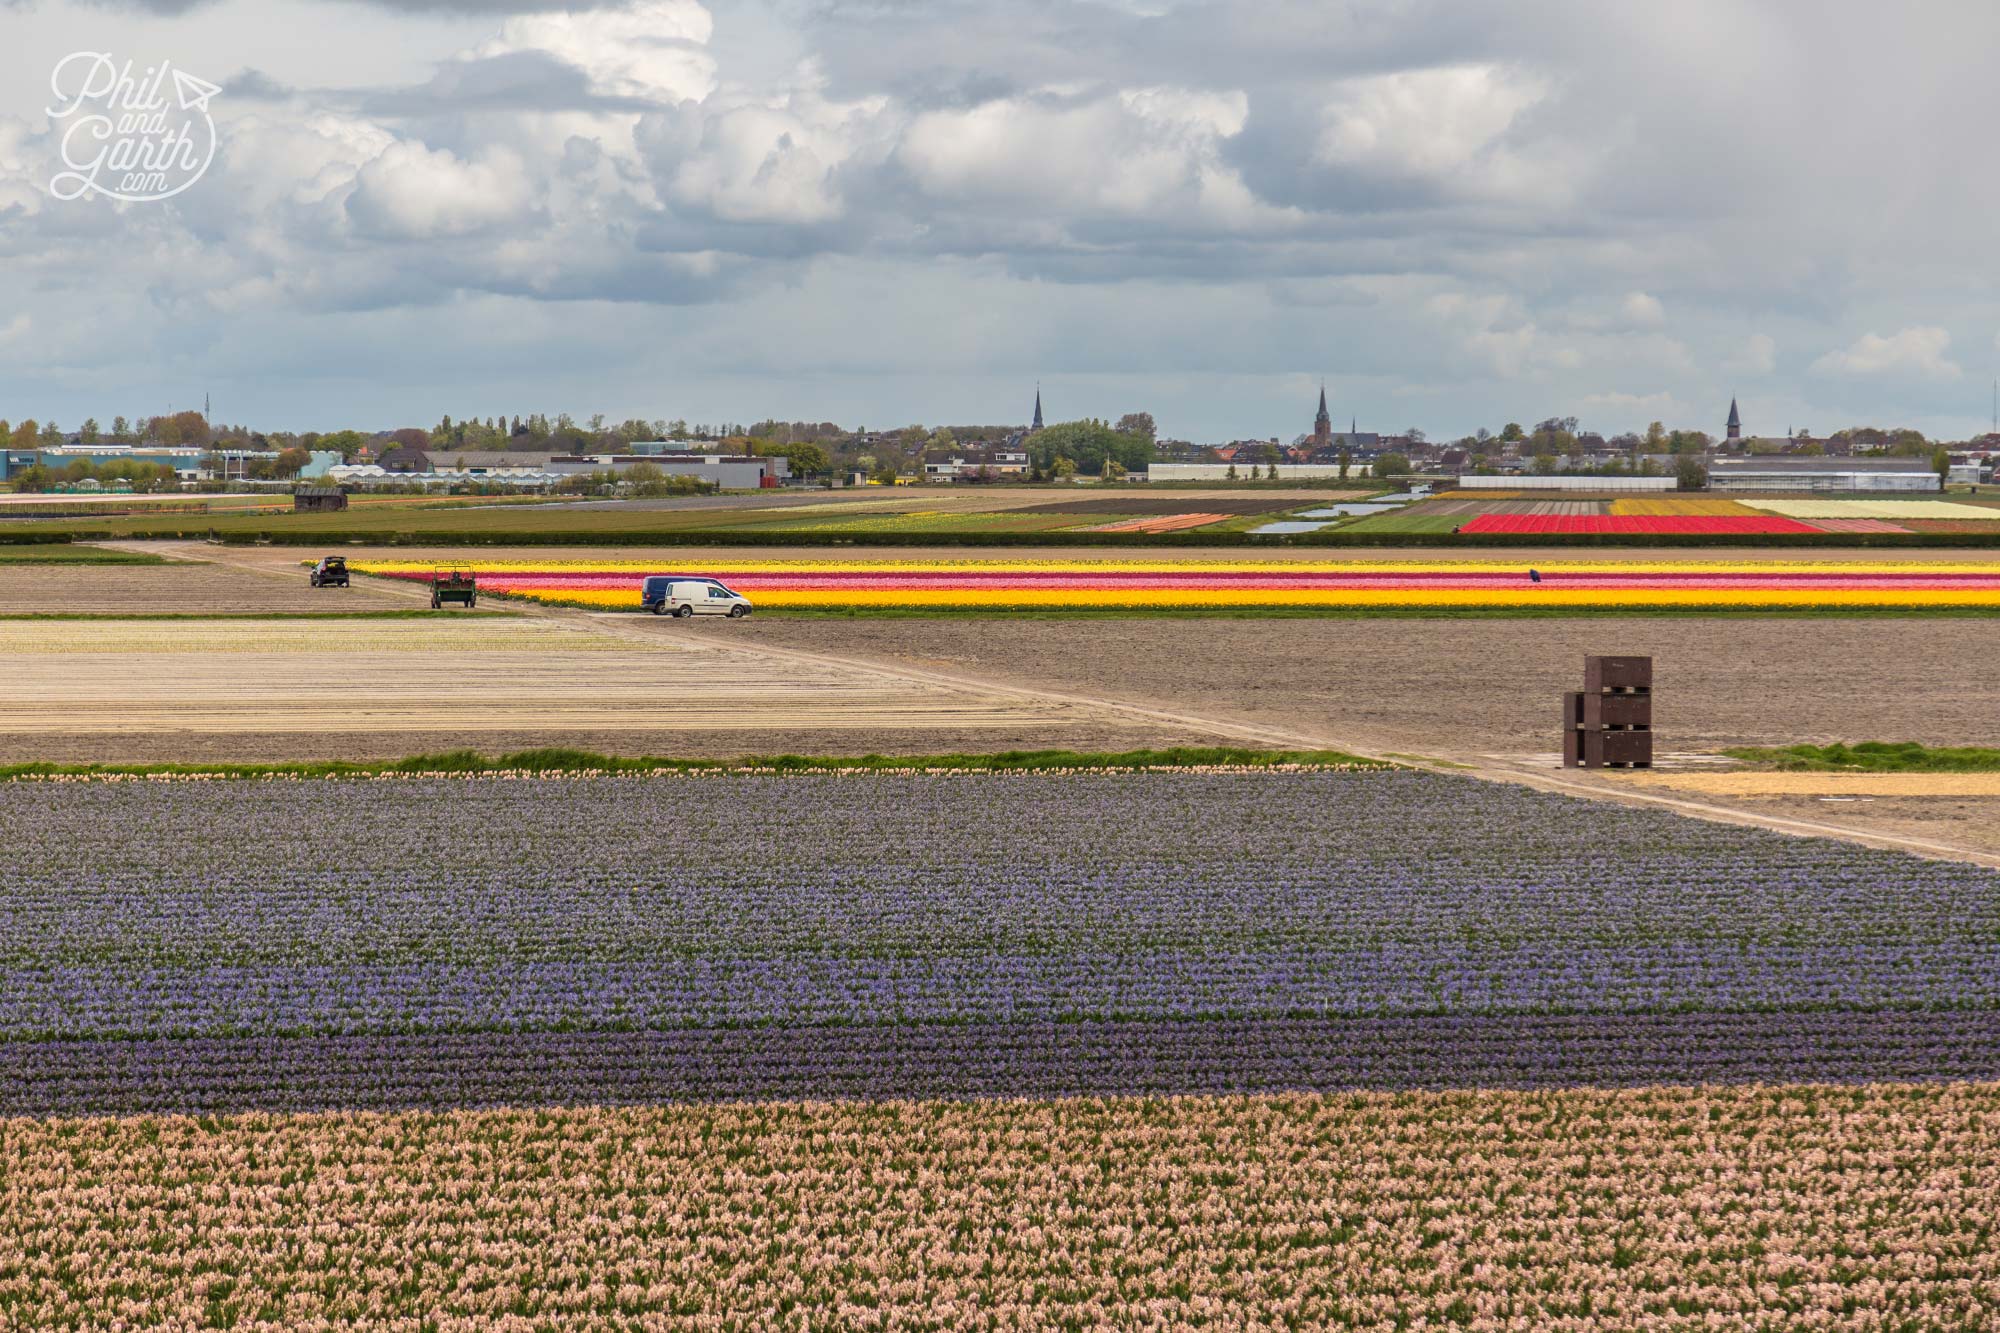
(890, 211)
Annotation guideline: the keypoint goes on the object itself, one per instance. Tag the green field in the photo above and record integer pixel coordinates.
(1406, 521)
(585, 761)
(73, 555)
(473, 524)
(1874, 757)
(939, 516)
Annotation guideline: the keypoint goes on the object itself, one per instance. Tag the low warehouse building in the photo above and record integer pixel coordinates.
(1822, 474)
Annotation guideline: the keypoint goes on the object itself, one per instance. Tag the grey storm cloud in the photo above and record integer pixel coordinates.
(1458, 212)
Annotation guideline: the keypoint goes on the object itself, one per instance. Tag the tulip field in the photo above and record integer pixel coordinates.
(1226, 584)
(1163, 1049)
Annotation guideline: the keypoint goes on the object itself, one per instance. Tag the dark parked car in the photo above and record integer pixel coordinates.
(330, 573)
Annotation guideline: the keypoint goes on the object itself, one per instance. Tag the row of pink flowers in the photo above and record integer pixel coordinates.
(1808, 1207)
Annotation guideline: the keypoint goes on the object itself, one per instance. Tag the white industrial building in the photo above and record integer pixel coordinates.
(1822, 474)
(1566, 481)
(1251, 471)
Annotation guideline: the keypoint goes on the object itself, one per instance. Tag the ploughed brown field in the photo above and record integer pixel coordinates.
(1485, 692)
(1472, 687)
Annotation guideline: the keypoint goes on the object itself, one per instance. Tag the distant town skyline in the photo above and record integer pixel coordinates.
(1455, 215)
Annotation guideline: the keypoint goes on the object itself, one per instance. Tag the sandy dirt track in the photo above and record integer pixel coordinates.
(145, 590)
(1902, 786)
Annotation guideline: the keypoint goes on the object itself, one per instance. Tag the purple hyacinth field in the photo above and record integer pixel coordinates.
(334, 944)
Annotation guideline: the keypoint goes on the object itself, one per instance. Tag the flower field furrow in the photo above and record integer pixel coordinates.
(959, 1061)
(1364, 982)
(505, 581)
(1715, 524)
(1161, 1049)
(659, 905)
(1794, 1207)
(1234, 584)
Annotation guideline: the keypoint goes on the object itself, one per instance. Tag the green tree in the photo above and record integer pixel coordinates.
(121, 430)
(28, 434)
(1346, 459)
(807, 460)
(1941, 464)
(1392, 465)
(1511, 433)
(1689, 474)
(1139, 425)
(88, 431)
(1088, 444)
(1545, 464)
(182, 428)
(346, 443)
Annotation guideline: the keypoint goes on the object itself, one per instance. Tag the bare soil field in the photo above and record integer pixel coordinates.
(150, 691)
(1903, 786)
(1471, 688)
(1958, 808)
(1484, 693)
(179, 588)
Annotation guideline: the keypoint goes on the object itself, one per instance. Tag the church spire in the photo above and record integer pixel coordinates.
(1323, 423)
(1038, 408)
(1735, 426)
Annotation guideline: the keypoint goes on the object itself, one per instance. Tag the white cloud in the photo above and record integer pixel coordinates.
(1291, 189)
(1643, 311)
(770, 160)
(1917, 352)
(649, 49)
(1446, 125)
(413, 192)
(1055, 153)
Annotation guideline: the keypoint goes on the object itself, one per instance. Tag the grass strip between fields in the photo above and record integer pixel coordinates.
(52, 554)
(1873, 757)
(559, 762)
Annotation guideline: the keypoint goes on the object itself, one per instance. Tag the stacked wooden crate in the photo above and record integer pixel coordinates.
(1609, 723)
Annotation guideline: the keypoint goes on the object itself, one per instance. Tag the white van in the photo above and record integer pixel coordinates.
(691, 597)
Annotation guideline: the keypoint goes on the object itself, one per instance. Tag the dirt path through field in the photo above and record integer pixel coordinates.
(1361, 686)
